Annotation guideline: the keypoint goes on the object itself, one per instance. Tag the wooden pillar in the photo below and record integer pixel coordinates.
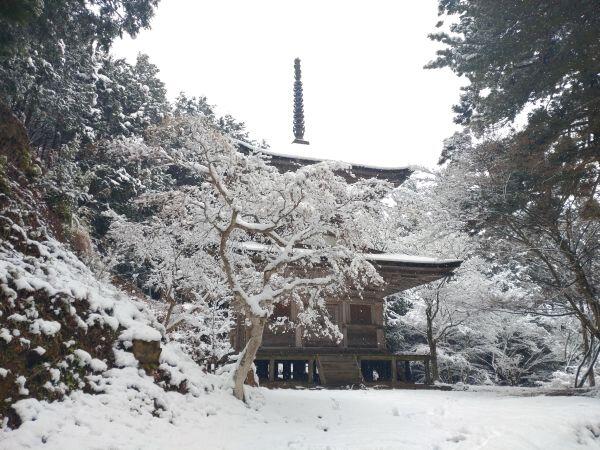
(427, 371)
(311, 363)
(380, 338)
(345, 313)
(408, 373)
(271, 370)
(287, 370)
(394, 371)
(322, 376)
(297, 329)
(298, 337)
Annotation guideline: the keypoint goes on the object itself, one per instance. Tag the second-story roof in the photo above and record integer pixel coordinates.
(286, 162)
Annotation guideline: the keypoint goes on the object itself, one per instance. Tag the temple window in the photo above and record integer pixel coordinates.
(360, 314)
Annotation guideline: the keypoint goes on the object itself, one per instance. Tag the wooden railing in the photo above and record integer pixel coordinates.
(279, 338)
(356, 336)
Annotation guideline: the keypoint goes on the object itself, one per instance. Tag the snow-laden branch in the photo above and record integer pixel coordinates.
(255, 235)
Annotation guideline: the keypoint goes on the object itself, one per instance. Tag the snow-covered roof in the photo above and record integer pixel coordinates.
(376, 257)
(288, 159)
(400, 272)
(308, 151)
(409, 259)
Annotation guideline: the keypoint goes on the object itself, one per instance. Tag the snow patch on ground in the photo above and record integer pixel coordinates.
(135, 413)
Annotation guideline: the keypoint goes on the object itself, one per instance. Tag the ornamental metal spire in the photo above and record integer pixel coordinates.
(298, 106)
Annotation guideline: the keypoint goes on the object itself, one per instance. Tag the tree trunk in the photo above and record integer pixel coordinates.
(169, 314)
(435, 376)
(587, 346)
(257, 325)
(590, 369)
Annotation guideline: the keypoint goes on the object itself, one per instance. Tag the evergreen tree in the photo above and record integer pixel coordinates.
(24, 23)
(193, 106)
(50, 91)
(533, 178)
(130, 97)
(199, 106)
(518, 53)
(537, 57)
(48, 61)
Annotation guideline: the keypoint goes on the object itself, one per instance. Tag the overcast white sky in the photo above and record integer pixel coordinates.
(367, 97)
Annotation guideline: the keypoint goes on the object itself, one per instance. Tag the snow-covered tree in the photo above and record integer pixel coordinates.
(545, 233)
(267, 237)
(165, 253)
(130, 97)
(198, 106)
(533, 187)
(48, 62)
(421, 223)
(492, 291)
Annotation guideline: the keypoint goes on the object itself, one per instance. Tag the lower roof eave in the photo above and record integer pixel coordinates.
(297, 352)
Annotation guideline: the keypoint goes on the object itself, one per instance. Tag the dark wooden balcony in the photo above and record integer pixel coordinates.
(362, 336)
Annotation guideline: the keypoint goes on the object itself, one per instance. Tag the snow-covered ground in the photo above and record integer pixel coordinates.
(315, 419)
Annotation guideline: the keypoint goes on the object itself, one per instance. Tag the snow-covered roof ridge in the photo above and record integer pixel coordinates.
(395, 175)
(409, 259)
(370, 256)
(315, 159)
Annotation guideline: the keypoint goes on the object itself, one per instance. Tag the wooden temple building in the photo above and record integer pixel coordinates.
(286, 357)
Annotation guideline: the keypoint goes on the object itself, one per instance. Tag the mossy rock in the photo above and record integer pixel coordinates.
(147, 353)
(36, 355)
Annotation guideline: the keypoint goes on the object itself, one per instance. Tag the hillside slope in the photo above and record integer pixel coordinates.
(62, 329)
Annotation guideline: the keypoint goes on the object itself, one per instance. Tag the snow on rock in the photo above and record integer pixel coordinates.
(20, 381)
(28, 409)
(125, 359)
(63, 274)
(69, 326)
(140, 332)
(85, 359)
(17, 318)
(47, 327)
(5, 334)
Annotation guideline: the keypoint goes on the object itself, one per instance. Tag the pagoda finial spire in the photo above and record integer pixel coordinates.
(298, 105)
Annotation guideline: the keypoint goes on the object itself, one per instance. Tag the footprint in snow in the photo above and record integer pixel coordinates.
(322, 426)
(458, 438)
